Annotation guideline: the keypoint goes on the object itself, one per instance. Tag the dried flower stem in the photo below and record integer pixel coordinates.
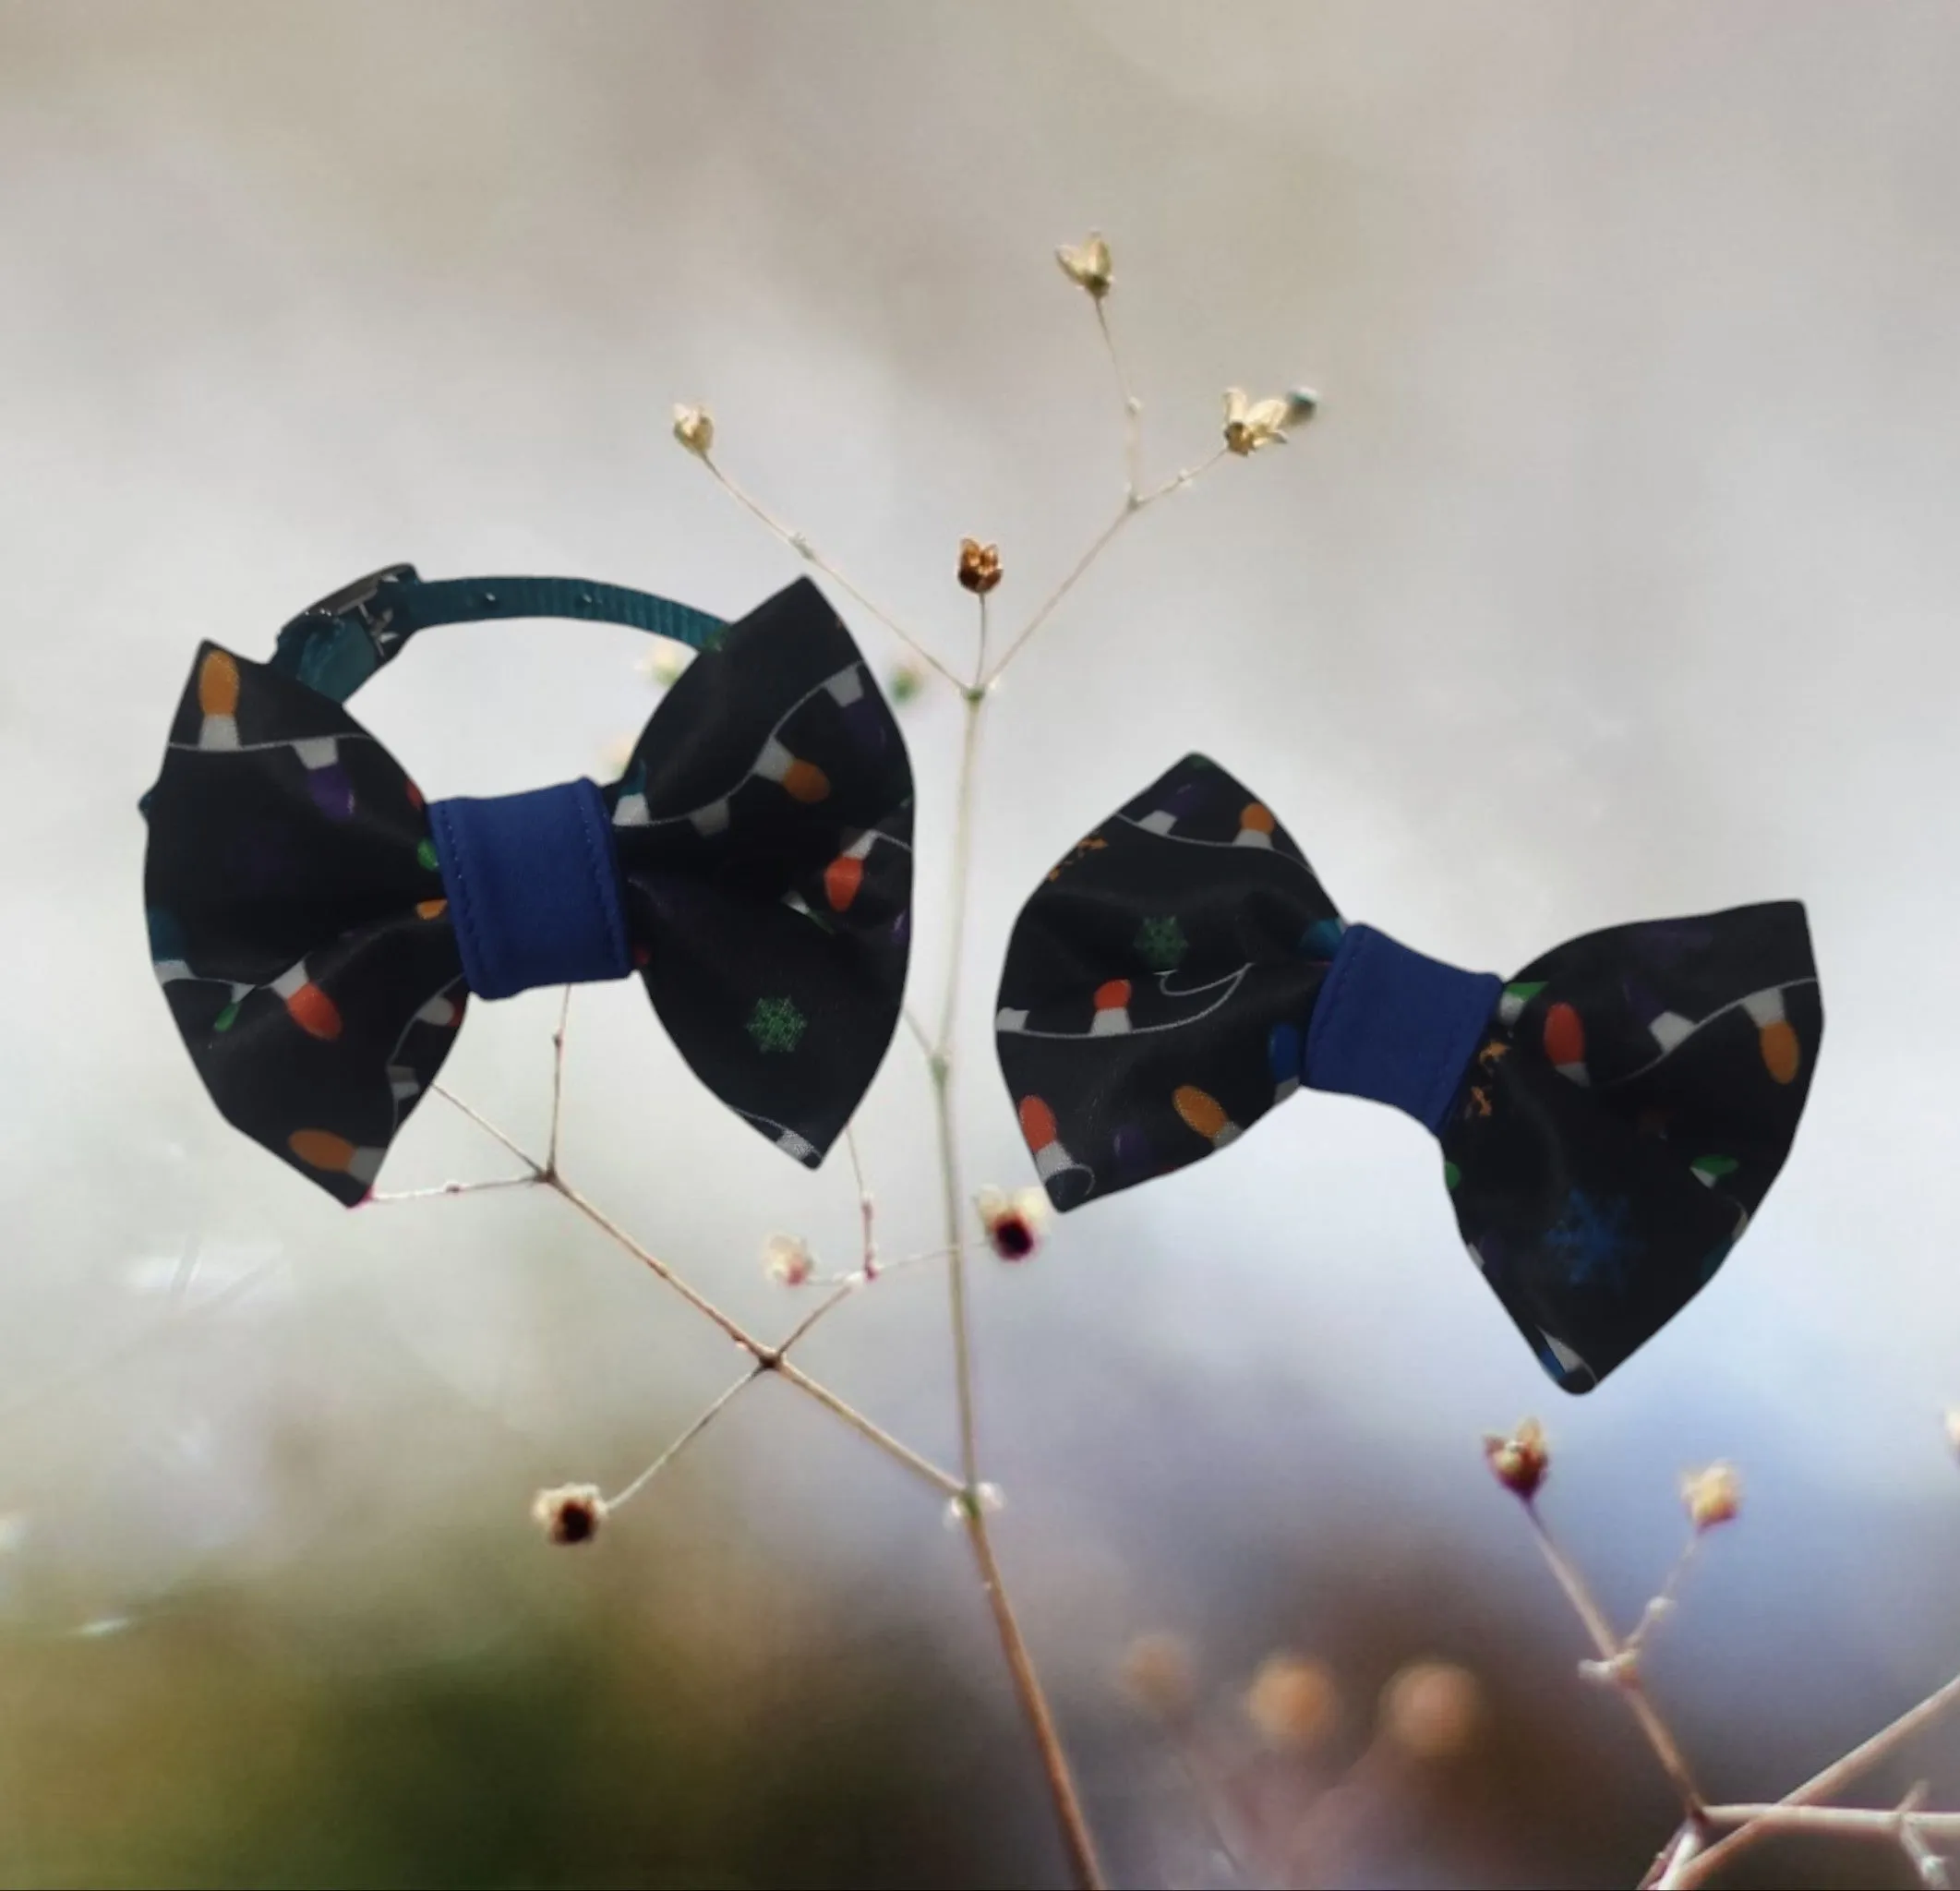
(1689, 1858)
(489, 1129)
(919, 1033)
(951, 1193)
(1132, 406)
(701, 1422)
(770, 1358)
(1663, 1598)
(386, 1196)
(1853, 1821)
(1076, 1838)
(1624, 1674)
(867, 1209)
(802, 545)
(844, 1286)
(1133, 502)
(1822, 1786)
(557, 1080)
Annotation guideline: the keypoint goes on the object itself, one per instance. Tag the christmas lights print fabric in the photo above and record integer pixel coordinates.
(761, 839)
(1610, 1119)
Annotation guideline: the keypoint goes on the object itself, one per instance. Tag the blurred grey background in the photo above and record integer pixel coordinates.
(1616, 578)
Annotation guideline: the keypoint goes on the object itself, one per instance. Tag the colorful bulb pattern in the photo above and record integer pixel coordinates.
(218, 700)
(1066, 1180)
(773, 756)
(327, 781)
(1618, 1123)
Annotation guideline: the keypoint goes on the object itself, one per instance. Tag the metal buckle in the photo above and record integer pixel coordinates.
(357, 600)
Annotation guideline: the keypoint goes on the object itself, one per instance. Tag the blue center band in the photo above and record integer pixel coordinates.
(1395, 1027)
(533, 888)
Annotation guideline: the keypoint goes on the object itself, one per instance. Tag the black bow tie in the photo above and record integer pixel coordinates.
(1610, 1119)
(316, 926)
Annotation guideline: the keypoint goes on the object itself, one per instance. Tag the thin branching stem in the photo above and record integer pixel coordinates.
(867, 1209)
(1078, 1842)
(953, 1195)
(491, 1130)
(919, 1033)
(1132, 503)
(1853, 1821)
(943, 1481)
(1822, 1786)
(1076, 1838)
(1623, 1671)
(1132, 406)
(802, 545)
(387, 1197)
(1662, 1602)
(701, 1422)
(557, 1080)
(769, 1357)
(849, 1284)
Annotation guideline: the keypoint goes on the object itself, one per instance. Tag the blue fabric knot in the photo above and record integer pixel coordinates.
(1395, 1027)
(533, 888)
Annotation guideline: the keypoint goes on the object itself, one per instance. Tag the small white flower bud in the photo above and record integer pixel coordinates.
(1015, 1223)
(1088, 265)
(572, 1514)
(1250, 425)
(1713, 1496)
(694, 428)
(787, 1258)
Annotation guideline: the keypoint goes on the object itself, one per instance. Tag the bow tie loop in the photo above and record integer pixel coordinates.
(1396, 1028)
(533, 888)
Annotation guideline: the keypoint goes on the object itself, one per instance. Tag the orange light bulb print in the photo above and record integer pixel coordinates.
(306, 1005)
(1204, 1113)
(1565, 1041)
(842, 878)
(845, 874)
(218, 686)
(804, 781)
(1782, 1054)
(1255, 825)
(1037, 1124)
(1776, 1037)
(321, 1148)
(801, 781)
(1113, 1010)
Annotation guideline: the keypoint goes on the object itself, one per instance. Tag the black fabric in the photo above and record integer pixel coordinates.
(1615, 1125)
(300, 928)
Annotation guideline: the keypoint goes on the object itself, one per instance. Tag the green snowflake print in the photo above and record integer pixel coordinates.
(775, 1024)
(1161, 944)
